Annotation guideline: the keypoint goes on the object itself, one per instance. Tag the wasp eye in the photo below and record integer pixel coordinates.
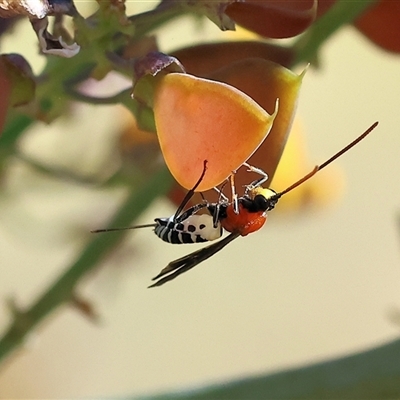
(260, 202)
(264, 204)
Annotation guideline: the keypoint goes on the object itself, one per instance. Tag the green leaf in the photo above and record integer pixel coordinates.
(372, 374)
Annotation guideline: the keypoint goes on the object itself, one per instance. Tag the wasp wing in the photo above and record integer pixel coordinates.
(183, 264)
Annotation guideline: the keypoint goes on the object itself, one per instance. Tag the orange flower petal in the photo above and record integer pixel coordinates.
(381, 24)
(19, 75)
(202, 59)
(265, 81)
(199, 119)
(6, 89)
(274, 19)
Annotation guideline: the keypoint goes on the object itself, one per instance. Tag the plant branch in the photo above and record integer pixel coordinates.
(14, 128)
(120, 97)
(62, 290)
(150, 20)
(341, 13)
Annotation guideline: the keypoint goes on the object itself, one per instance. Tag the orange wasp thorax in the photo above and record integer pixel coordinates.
(252, 211)
(245, 222)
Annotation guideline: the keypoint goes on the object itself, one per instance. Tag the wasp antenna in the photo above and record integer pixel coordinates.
(299, 182)
(329, 161)
(349, 146)
(123, 229)
(190, 193)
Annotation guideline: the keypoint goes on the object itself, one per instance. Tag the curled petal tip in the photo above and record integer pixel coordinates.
(303, 73)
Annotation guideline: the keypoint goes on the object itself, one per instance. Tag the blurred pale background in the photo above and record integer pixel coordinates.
(307, 287)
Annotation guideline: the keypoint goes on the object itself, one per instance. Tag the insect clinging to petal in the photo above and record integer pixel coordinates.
(239, 216)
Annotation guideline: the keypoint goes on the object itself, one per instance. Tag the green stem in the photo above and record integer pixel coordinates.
(56, 172)
(343, 12)
(62, 291)
(115, 99)
(150, 20)
(13, 130)
(15, 126)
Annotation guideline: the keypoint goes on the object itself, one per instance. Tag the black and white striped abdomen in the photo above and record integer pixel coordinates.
(194, 229)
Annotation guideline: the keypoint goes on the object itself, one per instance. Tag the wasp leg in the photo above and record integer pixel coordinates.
(235, 200)
(257, 182)
(190, 211)
(222, 200)
(183, 264)
(222, 197)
